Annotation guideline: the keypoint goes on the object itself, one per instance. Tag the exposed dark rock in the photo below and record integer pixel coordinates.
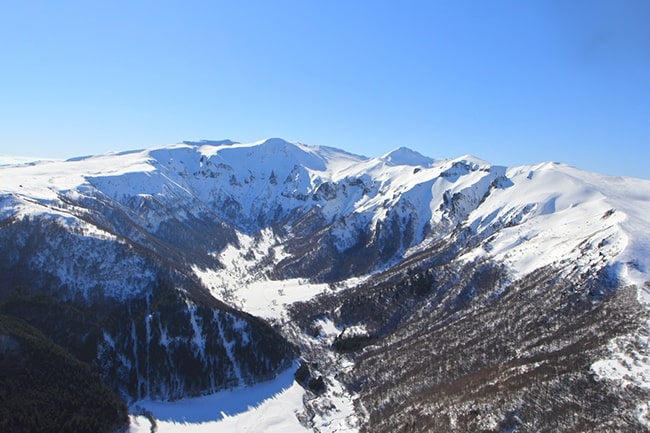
(306, 378)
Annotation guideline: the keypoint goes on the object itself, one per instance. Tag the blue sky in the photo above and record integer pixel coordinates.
(513, 82)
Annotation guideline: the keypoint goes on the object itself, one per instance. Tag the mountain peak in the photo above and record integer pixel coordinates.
(274, 141)
(275, 144)
(405, 156)
(472, 160)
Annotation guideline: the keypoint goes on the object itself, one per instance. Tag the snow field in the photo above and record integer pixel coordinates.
(266, 407)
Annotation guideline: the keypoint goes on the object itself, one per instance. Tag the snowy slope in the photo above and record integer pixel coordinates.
(528, 216)
(555, 213)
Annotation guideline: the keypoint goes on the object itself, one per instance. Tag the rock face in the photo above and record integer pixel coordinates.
(490, 298)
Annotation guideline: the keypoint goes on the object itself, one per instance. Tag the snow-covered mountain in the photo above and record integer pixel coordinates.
(190, 243)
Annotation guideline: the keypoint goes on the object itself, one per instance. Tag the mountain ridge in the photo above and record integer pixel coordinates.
(256, 185)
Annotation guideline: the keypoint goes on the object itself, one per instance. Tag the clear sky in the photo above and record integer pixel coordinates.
(513, 82)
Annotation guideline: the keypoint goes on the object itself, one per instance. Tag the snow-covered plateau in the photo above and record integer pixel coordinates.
(446, 295)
